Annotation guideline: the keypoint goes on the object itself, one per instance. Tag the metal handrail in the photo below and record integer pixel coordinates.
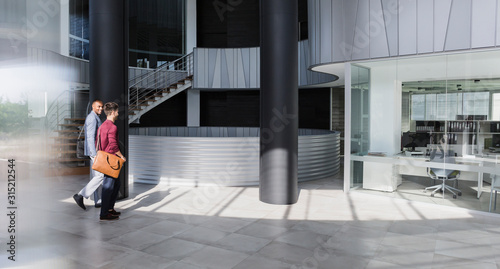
(160, 80)
(58, 111)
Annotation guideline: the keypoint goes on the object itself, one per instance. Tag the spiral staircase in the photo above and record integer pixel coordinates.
(64, 125)
(160, 85)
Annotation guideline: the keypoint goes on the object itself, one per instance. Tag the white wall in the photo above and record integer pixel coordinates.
(64, 29)
(43, 24)
(385, 110)
(190, 25)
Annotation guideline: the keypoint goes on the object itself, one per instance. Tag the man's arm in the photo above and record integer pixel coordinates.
(113, 142)
(90, 125)
(112, 146)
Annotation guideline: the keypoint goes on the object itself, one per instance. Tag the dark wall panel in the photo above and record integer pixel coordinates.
(232, 108)
(227, 24)
(172, 112)
(241, 108)
(314, 108)
(235, 24)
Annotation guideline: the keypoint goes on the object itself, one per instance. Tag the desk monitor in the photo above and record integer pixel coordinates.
(495, 141)
(412, 140)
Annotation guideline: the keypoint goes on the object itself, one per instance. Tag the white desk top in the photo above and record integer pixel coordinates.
(481, 164)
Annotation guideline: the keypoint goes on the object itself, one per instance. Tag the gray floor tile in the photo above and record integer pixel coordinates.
(138, 240)
(306, 239)
(259, 261)
(173, 248)
(326, 227)
(466, 251)
(262, 231)
(137, 259)
(136, 221)
(226, 224)
(167, 228)
(202, 235)
(286, 253)
(183, 265)
(211, 257)
(405, 257)
(443, 261)
(242, 243)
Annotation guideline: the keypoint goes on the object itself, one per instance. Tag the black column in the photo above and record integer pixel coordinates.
(278, 101)
(109, 66)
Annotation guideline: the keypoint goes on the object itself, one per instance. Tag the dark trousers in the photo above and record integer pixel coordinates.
(110, 188)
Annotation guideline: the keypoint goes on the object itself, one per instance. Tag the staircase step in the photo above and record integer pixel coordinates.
(69, 131)
(74, 119)
(64, 137)
(71, 124)
(63, 152)
(66, 160)
(63, 145)
(68, 171)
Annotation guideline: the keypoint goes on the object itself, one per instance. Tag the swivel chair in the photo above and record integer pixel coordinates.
(495, 186)
(444, 175)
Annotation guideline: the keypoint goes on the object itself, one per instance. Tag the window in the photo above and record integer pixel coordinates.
(446, 106)
(79, 29)
(418, 107)
(476, 103)
(496, 106)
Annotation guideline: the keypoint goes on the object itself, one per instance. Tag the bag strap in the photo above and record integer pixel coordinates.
(80, 133)
(98, 140)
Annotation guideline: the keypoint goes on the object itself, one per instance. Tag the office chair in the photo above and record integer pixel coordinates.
(495, 186)
(444, 175)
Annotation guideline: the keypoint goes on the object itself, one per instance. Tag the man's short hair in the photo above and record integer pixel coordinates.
(97, 101)
(109, 107)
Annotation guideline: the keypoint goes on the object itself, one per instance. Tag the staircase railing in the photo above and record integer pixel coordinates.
(160, 80)
(62, 107)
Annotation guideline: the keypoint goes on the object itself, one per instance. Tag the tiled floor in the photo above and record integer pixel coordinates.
(412, 188)
(219, 227)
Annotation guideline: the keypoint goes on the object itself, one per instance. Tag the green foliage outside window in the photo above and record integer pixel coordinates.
(13, 118)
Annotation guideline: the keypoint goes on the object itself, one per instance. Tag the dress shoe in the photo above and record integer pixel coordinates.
(98, 205)
(79, 201)
(114, 213)
(109, 216)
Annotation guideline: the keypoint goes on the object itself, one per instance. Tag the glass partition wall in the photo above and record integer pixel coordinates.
(360, 119)
(419, 120)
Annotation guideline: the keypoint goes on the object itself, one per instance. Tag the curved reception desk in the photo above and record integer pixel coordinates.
(223, 156)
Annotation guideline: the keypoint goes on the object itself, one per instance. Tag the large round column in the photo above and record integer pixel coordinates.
(109, 66)
(278, 101)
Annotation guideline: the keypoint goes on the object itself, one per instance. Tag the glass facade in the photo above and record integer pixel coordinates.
(79, 29)
(411, 116)
(157, 31)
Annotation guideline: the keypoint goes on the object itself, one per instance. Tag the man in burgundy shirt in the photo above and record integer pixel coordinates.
(108, 133)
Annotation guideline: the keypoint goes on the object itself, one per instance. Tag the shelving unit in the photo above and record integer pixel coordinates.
(469, 136)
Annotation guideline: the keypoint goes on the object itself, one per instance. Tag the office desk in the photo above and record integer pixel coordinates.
(471, 168)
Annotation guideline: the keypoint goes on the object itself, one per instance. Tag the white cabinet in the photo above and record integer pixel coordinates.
(381, 176)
